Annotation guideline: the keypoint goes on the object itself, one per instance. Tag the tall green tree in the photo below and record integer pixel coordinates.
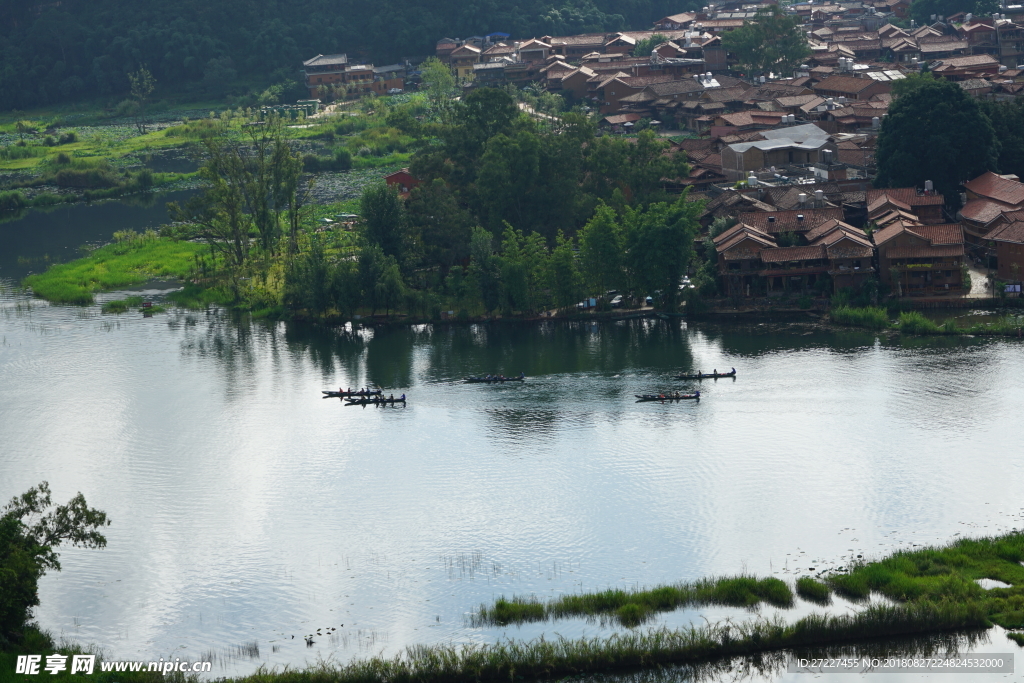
(1008, 124)
(601, 250)
(30, 534)
(659, 240)
(772, 41)
(483, 268)
(385, 220)
(439, 81)
(143, 84)
(564, 278)
(934, 131)
(443, 225)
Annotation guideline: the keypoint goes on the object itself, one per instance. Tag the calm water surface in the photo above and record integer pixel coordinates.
(246, 509)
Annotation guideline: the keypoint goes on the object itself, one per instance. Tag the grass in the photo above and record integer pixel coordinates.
(813, 590)
(947, 574)
(634, 607)
(1017, 638)
(870, 317)
(560, 657)
(915, 322)
(128, 261)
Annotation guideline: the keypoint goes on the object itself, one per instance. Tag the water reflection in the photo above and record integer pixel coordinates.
(772, 666)
(246, 508)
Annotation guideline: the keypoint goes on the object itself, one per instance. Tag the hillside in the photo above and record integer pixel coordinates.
(60, 52)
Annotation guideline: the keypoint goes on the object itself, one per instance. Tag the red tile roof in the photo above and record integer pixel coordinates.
(982, 211)
(786, 221)
(1011, 232)
(848, 84)
(783, 254)
(990, 185)
(925, 251)
(907, 195)
(943, 233)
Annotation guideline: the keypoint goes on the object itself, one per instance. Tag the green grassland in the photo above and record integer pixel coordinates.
(132, 259)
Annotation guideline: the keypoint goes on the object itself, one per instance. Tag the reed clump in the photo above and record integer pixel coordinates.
(813, 590)
(633, 607)
(871, 317)
(1016, 637)
(915, 322)
(554, 658)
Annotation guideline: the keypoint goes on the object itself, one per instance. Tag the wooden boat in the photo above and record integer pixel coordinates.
(380, 400)
(641, 398)
(497, 378)
(344, 394)
(708, 375)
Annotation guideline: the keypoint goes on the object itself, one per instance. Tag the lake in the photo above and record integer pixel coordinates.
(247, 510)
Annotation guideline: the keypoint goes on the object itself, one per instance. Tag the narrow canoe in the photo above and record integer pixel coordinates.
(667, 397)
(367, 401)
(488, 380)
(708, 375)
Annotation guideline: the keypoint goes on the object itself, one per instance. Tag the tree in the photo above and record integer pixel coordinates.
(385, 221)
(564, 278)
(660, 245)
(923, 137)
(443, 225)
(645, 46)
(771, 42)
(143, 84)
(30, 534)
(439, 81)
(252, 181)
(601, 249)
(483, 268)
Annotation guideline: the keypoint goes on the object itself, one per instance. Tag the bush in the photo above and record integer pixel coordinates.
(12, 201)
(68, 138)
(914, 322)
(871, 317)
(814, 591)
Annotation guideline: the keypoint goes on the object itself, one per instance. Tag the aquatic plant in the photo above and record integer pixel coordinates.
(871, 317)
(813, 590)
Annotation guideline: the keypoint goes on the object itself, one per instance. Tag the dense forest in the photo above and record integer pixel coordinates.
(58, 52)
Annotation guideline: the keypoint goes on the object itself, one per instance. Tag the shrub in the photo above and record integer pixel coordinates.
(68, 138)
(914, 322)
(812, 590)
(12, 201)
(871, 317)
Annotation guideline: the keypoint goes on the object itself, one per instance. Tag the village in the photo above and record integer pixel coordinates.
(790, 161)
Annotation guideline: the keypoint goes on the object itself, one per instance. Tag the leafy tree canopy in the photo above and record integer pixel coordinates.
(30, 533)
(773, 41)
(934, 131)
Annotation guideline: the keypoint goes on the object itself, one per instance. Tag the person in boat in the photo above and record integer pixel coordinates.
(734, 371)
(392, 397)
(403, 398)
(522, 375)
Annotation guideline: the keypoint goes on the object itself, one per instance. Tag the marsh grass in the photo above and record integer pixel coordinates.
(915, 322)
(871, 317)
(633, 607)
(947, 574)
(1016, 637)
(555, 658)
(121, 264)
(813, 590)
